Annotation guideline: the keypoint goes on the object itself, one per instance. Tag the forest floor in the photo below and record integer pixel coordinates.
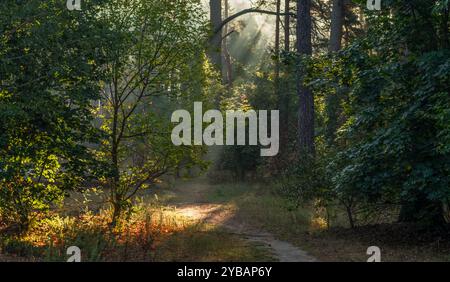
(193, 200)
(201, 221)
(256, 213)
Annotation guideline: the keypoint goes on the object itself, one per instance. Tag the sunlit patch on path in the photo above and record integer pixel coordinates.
(206, 213)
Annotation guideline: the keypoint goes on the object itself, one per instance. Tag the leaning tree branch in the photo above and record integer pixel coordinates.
(228, 34)
(248, 11)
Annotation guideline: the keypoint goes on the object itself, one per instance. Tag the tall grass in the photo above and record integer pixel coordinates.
(152, 231)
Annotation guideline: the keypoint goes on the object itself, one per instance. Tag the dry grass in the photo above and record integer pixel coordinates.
(157, 231)
(261, 206)
(152, 232)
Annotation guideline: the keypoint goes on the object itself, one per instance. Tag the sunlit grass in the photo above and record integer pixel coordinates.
(262, 207)
(151, 232)
(307, 226)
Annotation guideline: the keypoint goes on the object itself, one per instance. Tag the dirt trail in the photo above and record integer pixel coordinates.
(191, 201)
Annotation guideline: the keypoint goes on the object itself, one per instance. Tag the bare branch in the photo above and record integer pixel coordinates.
(248, 11)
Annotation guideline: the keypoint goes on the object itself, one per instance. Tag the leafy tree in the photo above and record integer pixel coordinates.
(391, 149)
(50, 62)
(155, 67)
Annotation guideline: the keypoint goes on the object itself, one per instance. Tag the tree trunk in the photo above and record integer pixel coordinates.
(277, 51)
(278, 93)
(115, 180)
(351, 219)
(215, 48)
(117, 212)
(335, 44)
(337, 22)
(284, 93)
(305, 95)
(287, 26)
(227, 67)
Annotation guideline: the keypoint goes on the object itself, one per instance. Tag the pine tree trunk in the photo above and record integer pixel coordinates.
(277, 51)
(284, 94)
(305, 95)
(337, 22)
(287, 23)
(227, 67)
(215, 49)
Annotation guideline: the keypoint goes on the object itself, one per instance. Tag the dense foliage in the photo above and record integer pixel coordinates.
(382, 113)
(86, 98)
(49, 76)
(385, 117)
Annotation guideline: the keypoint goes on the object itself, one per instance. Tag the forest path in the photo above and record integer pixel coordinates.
(191, 200)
